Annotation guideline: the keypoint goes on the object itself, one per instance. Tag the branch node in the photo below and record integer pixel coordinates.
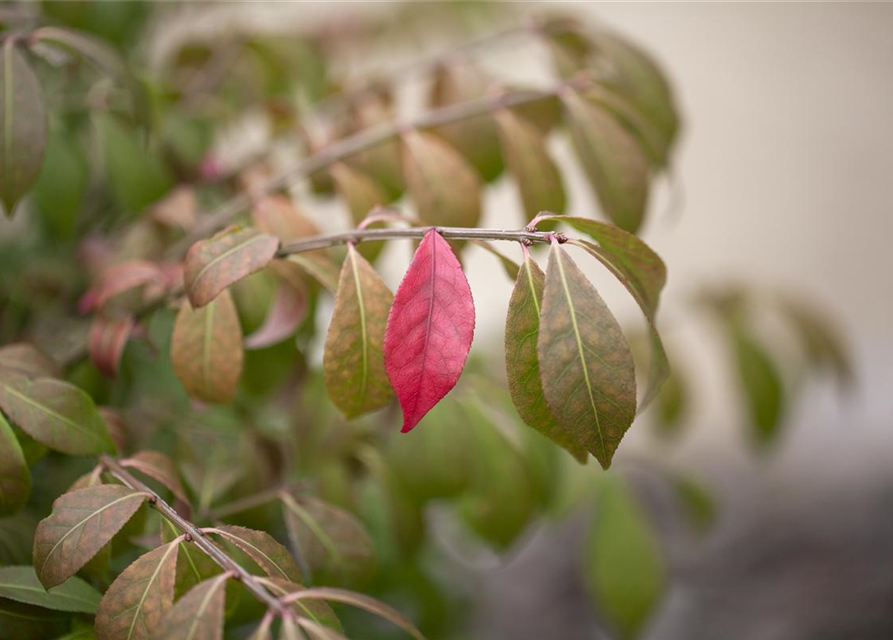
(559, 237)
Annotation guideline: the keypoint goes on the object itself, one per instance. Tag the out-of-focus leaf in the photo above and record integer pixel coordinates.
(198, 615)
(522, 366)
(319, 266)
(330, 540)
(671, 404)
(615, 163)
(159, 467)
(353, 362)
(571, 48)
(475, 138)
(316, 610)
(16, 534)
(381, 161)
(278, 216)
(178, 209)
(824, 346)
(261, 547)
(23, 135)
(761, 385)
(54, 413)
(139, 599)
(528, 158)
(116, 426)
(206, 349)
(287, 311)
(15, 477)
(20, 583)
(137, 175)
(361, 195)
(27, 359)
(624, 567)
(26, 622)
(214, 264)
(585, 363)
(125, 286)
(59, 190)
(508, 265)
(444, 188)
(107, 341)
(696, 501)
(81, 523)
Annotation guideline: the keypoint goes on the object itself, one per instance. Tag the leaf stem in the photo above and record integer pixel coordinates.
(198, 537)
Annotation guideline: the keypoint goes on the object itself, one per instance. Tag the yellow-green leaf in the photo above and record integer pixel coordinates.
(586, 366)
(353, 363)
(206, 349)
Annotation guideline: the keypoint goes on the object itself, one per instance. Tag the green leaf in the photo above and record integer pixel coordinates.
(23, 125)
(15, 477)
(671, 404)
(193, 565)
(332, 542)
(27, 359)
(318, 611)
(21, 584)
(522, 328)
(54, 413)
(585, 363)
(614, 162)
(261, 547)
(198, 615)
(319, 266)
(140, 598)
(821, 341)
(214, 264)
(696, 501)
(353, 362)
(60, 187)
(361, 195)
(531, 164)
(25, 622)
(624, 568)
(444, 188)
(81, 523)
(475, 138)
(206, 349)
(761, 384)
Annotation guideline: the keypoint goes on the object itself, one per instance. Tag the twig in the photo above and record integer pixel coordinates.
(196, 535)
(255, 500)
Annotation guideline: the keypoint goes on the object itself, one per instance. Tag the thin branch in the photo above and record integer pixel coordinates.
(196, 535)
(255, 500)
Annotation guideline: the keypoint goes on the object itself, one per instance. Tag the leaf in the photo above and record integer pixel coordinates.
(529, 161)
(54, 413)
(585, 363)
(317, 631)
(508, 265)
(61, 185)
(15, 477)
(139, 599)
(696, 501)
(159, 467)
(287, 311)
(122, 278)
(81, 523)
(278, 216)
(822, 343)
(193, 565)
(214, 264)
(522, 328)
(761, 384)
(430, 328)
(353, 362)
(21, 584)
(641, 271)
(23, 135)
(317, 611)
(290, 630)
(25, 622)
(360, 601)
(206, 349)
(107, 341)
(331, 541)
(178, 209)
(27, 359)
(198, 615)
(615, 164)
(444, 188)
(269, 555)
(475, 138)
(623, 567)
(318, 265)
(361, 195)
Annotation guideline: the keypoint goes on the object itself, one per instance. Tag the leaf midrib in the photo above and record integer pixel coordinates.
(363, 330)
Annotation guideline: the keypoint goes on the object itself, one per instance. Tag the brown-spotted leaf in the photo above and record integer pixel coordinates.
(139, 599)
(159, 467)
(333, 543)
(82, 522)
(261, 547)
(445, 189)
(23, 136)
(206, 349)
(214, 264)
(353, 363)
(586, 366)
(475, 138)
(528, 158)
(107, 341)
(614, 161)
(198, 615)
(27, 359)
(55, 413)
(15, 476)
(522, 328)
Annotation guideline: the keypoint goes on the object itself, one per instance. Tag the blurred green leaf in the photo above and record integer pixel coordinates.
(15, 477)
(60, 187)
(20, 583)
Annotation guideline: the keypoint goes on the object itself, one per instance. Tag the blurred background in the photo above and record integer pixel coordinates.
(781, 187)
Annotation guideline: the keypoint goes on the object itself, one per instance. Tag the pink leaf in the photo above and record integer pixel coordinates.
(284, 317)
(430, 328)
(107, 341)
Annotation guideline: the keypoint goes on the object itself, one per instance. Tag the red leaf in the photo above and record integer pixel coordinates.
(107, 341)
(430, 328)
